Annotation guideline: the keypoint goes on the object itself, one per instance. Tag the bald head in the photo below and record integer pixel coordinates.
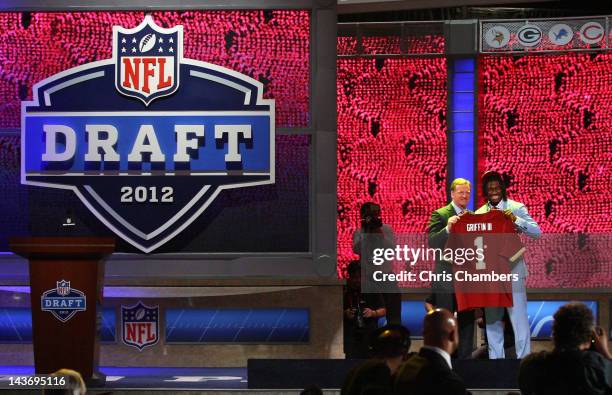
(440, 330)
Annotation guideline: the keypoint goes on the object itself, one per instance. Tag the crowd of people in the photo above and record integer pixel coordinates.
(579, 364)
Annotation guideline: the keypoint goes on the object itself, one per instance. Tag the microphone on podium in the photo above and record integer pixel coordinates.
(68, 220)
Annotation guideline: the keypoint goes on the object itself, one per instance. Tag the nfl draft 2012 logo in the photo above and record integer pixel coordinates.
(63, 301)
(147, 139)
(140, 325)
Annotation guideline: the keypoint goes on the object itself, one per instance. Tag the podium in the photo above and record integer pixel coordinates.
(66, 285)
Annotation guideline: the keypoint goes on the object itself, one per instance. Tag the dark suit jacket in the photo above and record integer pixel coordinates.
(442, 291)
(372, 377)
(427, 373)
(570, 372)
(437, 235)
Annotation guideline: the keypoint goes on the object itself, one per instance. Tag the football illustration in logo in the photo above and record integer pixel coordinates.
(140, 325)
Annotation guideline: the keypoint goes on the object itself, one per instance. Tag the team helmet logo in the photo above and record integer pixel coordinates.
(146, 154)
(560, 34)
(497, 37)
(529, 35)
(63, 301)
(592, 33)
(140, 325)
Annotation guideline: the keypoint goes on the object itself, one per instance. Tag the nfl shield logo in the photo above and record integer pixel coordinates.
(147, 60)
(63, 287)
(140, 325)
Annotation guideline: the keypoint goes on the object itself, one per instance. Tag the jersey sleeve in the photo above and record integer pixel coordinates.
(513, 246)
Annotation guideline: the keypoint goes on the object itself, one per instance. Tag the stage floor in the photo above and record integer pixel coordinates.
(211, 381)
(193, 379)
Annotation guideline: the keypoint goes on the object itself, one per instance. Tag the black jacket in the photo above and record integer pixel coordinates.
(372, 377)
(427, 373)
(570, 372)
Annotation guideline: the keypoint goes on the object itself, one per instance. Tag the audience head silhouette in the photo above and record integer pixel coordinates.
(390, 341)
(440, 330)
(75, 383)
(573, 326)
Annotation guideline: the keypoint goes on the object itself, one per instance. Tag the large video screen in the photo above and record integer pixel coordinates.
(391, 143)
(270, 46)
(545, 123)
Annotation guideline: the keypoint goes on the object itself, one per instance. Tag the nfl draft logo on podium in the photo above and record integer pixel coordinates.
(63, 301)
(140, 325)
(147, 139)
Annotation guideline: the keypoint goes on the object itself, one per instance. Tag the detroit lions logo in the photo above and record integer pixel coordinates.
(560, 34)
(146, 154)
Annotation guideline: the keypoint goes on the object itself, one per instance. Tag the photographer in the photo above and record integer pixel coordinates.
(374, 234)
(361, 314)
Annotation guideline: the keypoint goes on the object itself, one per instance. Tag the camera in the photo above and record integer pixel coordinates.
(359, 318)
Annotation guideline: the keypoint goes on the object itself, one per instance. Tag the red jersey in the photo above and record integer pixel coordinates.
(483, 279)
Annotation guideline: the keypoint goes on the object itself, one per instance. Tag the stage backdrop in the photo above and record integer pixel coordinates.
(268, 45)
(544, 123)
(391, 143)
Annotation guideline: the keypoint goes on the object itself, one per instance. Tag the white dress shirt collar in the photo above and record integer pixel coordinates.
(458, 210)
(500, 206)
(442, 353)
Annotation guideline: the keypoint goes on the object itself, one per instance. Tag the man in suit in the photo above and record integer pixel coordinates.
(494, 190)
(443, 292)
(430, 371)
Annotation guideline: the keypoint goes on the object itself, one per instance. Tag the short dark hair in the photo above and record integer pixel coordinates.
(573, 325)
(367, 206)
(489, 176)
(390, 341)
